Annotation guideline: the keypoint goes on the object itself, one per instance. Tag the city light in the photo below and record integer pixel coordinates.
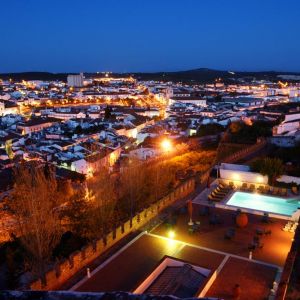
(166, 145)
(171, 234)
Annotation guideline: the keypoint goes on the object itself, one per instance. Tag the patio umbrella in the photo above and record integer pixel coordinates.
(190, 210)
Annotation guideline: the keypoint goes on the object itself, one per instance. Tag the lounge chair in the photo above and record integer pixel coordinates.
(231, 184)
(244, 187)
(252, 188)
(266, 190)
(220, 192)
(295, 190)
(225, 187)
(260, 189)
(276, 191)
(214, 199)
(271, 190)
(283, 192)
(229, 234)
(214, 194)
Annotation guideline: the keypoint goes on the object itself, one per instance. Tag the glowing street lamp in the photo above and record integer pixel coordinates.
(171, 234)
(166, 145)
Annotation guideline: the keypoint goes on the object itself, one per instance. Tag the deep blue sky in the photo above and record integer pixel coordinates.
(144, 35)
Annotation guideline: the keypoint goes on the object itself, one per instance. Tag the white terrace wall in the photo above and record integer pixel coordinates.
(65, 269)
(242, 176)
(289, 179)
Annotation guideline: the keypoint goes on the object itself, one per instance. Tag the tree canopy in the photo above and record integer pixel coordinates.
(272, 167)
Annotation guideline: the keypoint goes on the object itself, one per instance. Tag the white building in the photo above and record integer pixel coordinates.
(287, 133)
(75, 80)
(2, 108)
(188, 100)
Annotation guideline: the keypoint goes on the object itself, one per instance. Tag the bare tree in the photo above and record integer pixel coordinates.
(134, 186)
(34, 204)
(102, 199)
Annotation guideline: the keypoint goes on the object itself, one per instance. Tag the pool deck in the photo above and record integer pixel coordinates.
(202, 199)
(276, 245)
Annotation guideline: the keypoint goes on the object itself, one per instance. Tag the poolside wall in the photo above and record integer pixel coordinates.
(243, 176)
(78, 260)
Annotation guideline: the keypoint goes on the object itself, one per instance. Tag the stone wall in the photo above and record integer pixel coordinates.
(78, 260)
(288, 267)
(245, 152)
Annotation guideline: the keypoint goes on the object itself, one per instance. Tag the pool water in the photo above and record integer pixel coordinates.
(264, 203)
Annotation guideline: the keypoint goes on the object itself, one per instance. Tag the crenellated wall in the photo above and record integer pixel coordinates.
(65, 269)
(245, 152)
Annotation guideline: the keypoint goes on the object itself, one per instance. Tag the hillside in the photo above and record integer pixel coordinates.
(201, 75)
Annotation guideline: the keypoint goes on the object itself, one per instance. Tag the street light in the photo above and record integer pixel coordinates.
(166, 145)
(171, 234)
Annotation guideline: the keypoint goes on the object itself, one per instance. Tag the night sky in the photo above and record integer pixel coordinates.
(156, 35)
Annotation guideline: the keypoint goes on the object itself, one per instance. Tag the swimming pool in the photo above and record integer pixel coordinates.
(264, 203)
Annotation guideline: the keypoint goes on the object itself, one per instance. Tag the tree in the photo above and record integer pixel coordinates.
(236, 127)
(107, 113)
(272, 167)
(76, 213)
(34, 204)
(102, 199)
(210, 129)
(134, 186)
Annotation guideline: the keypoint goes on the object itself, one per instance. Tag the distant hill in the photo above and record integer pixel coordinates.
(208, 75)
(34, 76)
(200, 75)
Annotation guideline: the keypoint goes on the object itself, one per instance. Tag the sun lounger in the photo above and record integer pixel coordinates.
(216, 195)
(229, 234)
(283, 192)
(214, 199)
(266, 190)
(231, 184)
(219, 192)
(260, 189)
(224, 187)
(274, 191)
(244, 187)
(295, 190)
(252, 188)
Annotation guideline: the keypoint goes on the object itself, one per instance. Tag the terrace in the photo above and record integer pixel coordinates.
(135, 263)
(205, 235)
(238, 188)
(206, 247)
(255, 199)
